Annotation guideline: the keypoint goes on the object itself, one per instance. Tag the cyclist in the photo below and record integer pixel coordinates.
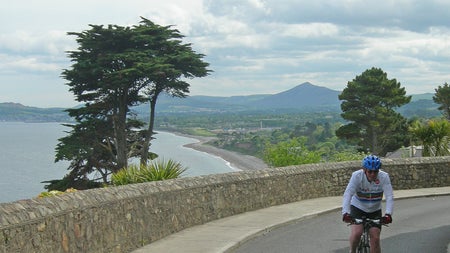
(362, 198)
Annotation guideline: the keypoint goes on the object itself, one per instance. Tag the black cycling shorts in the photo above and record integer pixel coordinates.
(359, 214)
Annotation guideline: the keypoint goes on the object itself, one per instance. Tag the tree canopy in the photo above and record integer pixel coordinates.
(114, 69)
(368, 104)
(171, 62)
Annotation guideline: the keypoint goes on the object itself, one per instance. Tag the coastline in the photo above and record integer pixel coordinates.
(236, 160)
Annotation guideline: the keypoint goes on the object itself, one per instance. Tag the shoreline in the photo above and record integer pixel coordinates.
(236, 160)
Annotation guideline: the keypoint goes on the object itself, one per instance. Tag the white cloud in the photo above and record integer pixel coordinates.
(50, 42)
(33, 64)
(310, 30)
(253, 46)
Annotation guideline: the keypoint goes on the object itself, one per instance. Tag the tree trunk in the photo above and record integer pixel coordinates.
(149, 132)
(120, 133)
(372, 140)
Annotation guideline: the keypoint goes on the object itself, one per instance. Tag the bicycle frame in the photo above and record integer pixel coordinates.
(364, 242)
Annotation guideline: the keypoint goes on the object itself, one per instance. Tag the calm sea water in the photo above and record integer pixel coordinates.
(171, 146)
(27, 153)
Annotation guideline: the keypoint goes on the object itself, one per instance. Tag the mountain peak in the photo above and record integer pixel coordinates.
(301, 96)
(306, 84)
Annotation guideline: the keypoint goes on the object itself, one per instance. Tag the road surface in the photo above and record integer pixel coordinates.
(420, 225)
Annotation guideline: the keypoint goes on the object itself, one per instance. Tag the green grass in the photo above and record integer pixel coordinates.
(196, 131)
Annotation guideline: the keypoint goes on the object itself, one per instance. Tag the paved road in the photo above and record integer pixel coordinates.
(420, 225)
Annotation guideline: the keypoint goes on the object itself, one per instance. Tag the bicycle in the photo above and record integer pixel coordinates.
(364, 242)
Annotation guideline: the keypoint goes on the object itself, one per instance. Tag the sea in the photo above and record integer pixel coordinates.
(27, 154)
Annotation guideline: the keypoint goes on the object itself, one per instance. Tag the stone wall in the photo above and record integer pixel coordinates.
(120, 219)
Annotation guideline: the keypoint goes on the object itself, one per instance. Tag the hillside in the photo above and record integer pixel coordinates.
(305, 97)
(19, 112)
(420, 108)
(425, 96)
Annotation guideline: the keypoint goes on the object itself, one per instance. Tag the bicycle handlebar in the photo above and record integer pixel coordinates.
(360, 221)
(363, 220)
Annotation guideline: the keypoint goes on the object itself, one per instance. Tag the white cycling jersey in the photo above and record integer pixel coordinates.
(366, 195)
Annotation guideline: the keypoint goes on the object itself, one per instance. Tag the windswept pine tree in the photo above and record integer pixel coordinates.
(115, 68)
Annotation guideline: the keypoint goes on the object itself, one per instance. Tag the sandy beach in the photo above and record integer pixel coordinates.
(238, 161)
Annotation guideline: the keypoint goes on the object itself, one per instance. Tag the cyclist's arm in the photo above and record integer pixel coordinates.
(389, 195)
(348, 194)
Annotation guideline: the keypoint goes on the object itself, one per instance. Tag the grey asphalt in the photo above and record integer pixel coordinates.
(224, 235)
(420, 225)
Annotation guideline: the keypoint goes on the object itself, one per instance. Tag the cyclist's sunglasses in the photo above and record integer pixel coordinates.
(372, 171)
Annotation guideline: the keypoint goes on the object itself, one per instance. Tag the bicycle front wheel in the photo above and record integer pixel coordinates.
(363, 249)
(363, 246)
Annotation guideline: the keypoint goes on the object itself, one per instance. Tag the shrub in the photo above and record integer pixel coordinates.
(55, 192)
(291, 152)
(154, 171)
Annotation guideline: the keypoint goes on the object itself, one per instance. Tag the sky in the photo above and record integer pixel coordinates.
(252, 46)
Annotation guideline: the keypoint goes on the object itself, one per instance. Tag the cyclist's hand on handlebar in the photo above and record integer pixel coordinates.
(386, 219)
(347, 218)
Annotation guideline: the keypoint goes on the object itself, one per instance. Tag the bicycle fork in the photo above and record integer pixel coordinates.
(364, 243)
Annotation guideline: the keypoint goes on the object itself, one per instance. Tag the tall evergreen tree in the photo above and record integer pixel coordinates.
(103, 77)
(115, 68)
(368, 103)
(442, 97)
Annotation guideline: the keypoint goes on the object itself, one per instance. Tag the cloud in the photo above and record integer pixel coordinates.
(31, 64)
(253, 46)
(49, 42)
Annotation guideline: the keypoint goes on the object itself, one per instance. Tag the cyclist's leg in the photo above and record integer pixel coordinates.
(355, 236)
(374, 233)
(356, 230)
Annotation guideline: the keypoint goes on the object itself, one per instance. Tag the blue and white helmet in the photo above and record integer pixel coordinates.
(371, 162)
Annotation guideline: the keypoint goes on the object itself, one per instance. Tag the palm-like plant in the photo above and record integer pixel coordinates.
(434, 136)
(154, 171)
